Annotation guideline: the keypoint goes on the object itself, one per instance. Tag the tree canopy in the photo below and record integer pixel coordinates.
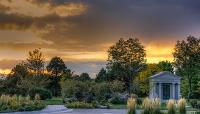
(101, 76)
(35, 61)
(129, 55)
(187, 60)
(84, 77)
(143, 76)
(56, 66)
(165, 66)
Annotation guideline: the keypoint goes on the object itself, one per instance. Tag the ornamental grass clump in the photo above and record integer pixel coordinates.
(156, 106)
(19, 103)
(131, 103)
(37, 97)
(171, 107)
(147, 106)
(151, 106)
(181, 106)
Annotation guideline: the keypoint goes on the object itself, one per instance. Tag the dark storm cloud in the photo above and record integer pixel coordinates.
(3, 8)
(54, 2)
(13, 21)
(22, 46)
(147, 19)
(151, 19)
(108, 20)
(104, 22)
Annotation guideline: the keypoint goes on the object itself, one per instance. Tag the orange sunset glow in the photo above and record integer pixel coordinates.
(81, 31)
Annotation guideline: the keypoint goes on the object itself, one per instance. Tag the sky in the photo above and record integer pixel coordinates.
(81, 31)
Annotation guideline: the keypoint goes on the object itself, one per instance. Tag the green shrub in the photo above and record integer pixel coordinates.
(116, 99)
(43, 93)
(195, 103)
(79, 105)
(139, 101)
(198, 104)
(76, 89)
(117, 86)
(101, 91)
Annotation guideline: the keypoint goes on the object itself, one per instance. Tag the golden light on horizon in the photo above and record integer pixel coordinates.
(154, 53)
(157, 53)
(158, 59)
(5, 71)
(85, 56)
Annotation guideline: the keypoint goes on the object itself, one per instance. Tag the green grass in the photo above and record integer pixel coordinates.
(54, 101)
(118, 106)
(163, 106)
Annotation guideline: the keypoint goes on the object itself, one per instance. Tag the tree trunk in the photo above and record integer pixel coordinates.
(190, 88)
(130, 84)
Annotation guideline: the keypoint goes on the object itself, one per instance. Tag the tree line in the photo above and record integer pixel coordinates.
(31, 77)
(127, 63)
(126, 66)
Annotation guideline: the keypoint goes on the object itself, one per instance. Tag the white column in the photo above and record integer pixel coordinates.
(178, 91)
(154, 90)
(160, 91)
(173, 93)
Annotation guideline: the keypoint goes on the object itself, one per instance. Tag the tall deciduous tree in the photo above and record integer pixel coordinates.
(165, 66)
(33, 82)
(67, 75)
(56, 66)
(20, 70)
(14, 79)
(143, 76)
(84, 77)
(187, 60)
(36, 62)
(130, 55)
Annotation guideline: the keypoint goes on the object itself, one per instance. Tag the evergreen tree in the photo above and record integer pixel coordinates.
(35, 62)
(101, 76)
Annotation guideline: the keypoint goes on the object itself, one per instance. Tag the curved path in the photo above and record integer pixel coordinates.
(61, 109)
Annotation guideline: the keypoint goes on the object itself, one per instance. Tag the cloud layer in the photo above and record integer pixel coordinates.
(83, 30)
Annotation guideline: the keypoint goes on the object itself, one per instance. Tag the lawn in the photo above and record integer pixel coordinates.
(118, 106)
(54, 101)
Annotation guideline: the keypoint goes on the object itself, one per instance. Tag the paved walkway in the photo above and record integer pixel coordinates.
(60, 109)
(50, 109)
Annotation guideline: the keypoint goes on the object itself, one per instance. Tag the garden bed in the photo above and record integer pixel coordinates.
(18, 103)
